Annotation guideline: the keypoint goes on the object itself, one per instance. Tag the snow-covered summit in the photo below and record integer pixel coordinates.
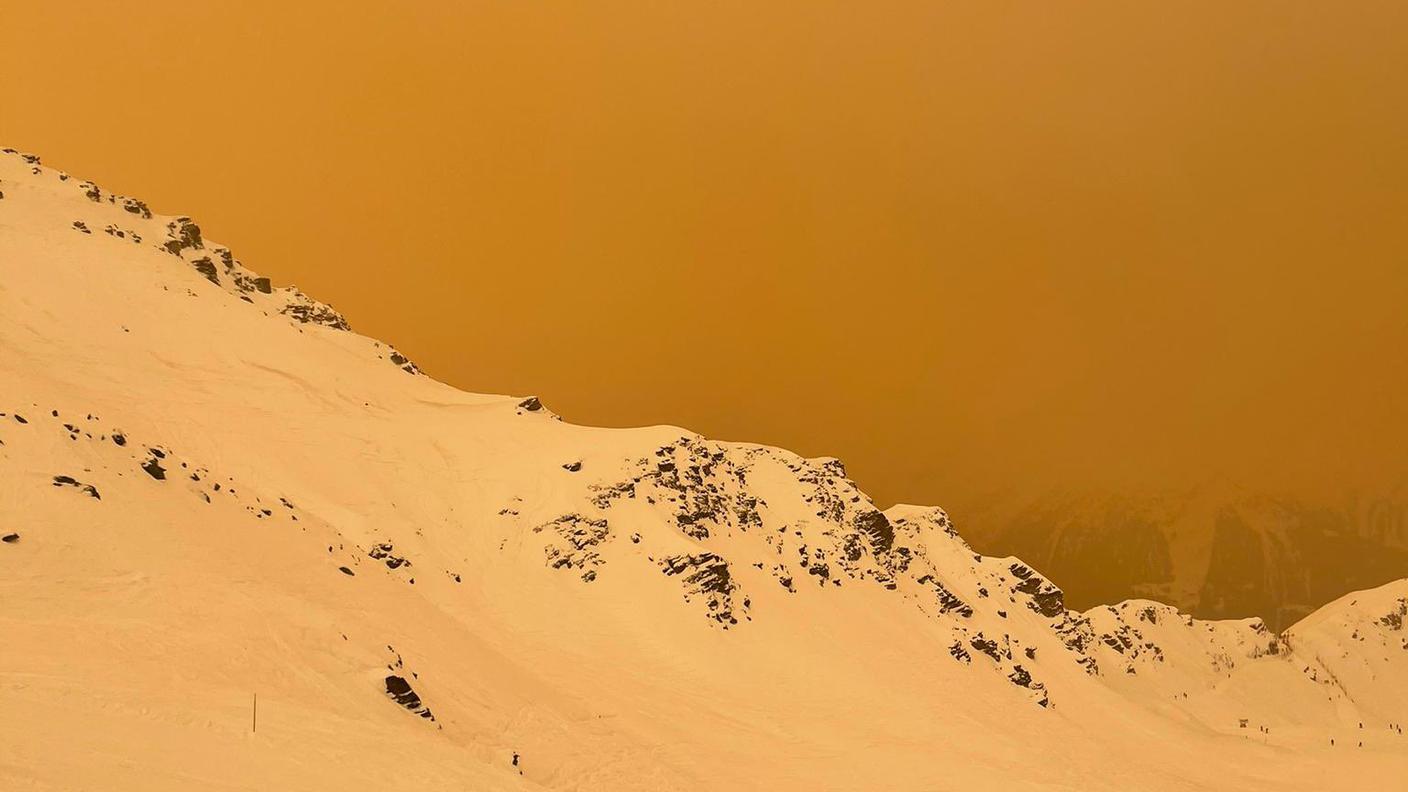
(212, 489)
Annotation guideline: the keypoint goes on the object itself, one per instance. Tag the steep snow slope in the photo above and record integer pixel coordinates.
(210, 489)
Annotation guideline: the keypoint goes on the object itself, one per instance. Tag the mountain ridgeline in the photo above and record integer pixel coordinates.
(213, 492)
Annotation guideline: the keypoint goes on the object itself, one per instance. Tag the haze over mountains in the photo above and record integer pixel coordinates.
(212, 489)
(1217, 550)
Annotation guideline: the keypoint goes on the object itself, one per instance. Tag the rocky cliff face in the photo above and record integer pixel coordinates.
(211, 487)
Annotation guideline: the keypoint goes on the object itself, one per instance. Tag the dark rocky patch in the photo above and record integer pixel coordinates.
(384, 552)
(404, 363)
(1394, 619)
(875, 525)
(1046, 598)
(605, 495)
(783, 578)
(136, 207)
(707, 575)
(10, 538)
(959, 653)
(70, 481)
(948, 601)
(581, 536)
(186, 233)
(315, 313)
(988, 647)
(154, 469)
(710, 573)
(1020, 676)
(400, 692)
(206, 267)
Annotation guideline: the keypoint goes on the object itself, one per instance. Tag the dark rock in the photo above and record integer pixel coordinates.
(1047, 599)
(400, 691)
(710, 572)
(206, 267)
(309, 312)
(184, 230)
(344, 570)
(707, 575)
(1394, 619)
(137, 207)
(154, 469)
(404, 363)
(581, 536)
(876, 525)
(10, 538)
(86, 489)
(384, 552)
(988, 647)
(948, 601)
(1020, 676)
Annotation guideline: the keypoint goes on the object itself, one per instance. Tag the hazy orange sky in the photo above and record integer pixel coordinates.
(960, 245)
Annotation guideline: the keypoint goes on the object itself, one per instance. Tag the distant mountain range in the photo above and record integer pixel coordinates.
(1215, 551)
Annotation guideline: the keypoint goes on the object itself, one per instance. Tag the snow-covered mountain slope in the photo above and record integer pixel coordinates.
(212, 490)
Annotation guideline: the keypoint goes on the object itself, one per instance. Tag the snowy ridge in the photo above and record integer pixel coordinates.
(216, 489)
(130, 220)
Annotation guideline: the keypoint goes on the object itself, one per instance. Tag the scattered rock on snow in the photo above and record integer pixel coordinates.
(70, 481)
(400, 691)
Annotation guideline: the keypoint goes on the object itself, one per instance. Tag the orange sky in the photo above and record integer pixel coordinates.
(961, 245)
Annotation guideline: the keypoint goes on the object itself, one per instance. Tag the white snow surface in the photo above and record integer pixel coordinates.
(212, 490)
